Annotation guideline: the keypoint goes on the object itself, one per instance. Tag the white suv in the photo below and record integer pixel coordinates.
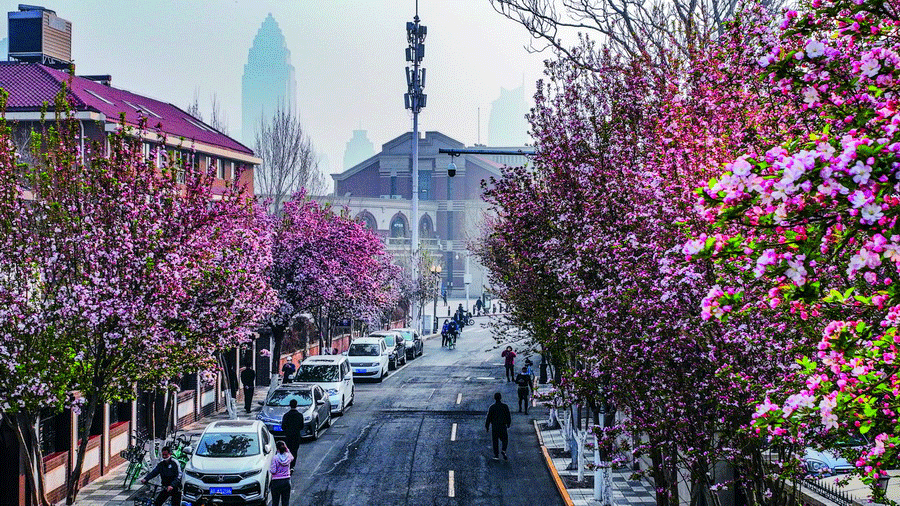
(331, 372)
(230, 464)
(369, 357)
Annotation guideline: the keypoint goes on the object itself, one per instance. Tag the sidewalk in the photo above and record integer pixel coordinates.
(574, 493)
(107, 490)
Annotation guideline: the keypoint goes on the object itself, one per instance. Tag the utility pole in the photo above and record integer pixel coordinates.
(414, 100)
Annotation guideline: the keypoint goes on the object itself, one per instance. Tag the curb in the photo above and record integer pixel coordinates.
(563, 493)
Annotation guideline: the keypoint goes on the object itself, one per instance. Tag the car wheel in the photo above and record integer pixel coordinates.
(352, 396)
(327, 421)
(343, 406)
(315, 431)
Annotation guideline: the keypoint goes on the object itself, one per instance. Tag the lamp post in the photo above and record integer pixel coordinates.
(436, 272)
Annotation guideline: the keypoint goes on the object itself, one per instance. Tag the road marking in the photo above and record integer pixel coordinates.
(487, 378)
(458, 398)
(453, 433)
(468, 378)
(451, 487)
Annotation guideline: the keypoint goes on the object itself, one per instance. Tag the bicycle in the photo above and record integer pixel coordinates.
(149, 497)
(136, 456)
(451, 342)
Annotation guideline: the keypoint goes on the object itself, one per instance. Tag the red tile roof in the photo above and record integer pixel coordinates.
(31, 85)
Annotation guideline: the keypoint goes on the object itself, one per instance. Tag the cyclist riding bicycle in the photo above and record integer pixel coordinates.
(169, 473)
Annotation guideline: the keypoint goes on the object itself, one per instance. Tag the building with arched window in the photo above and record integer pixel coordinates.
(378, 191)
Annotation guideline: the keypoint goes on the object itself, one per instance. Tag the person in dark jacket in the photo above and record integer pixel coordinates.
(248, 379)
(498, 420)
(292, 425)
(288, 370)
(169, 473)
(525, 384)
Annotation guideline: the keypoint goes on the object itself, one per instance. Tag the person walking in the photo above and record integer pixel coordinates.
(288, 369)
(169, 473)
(445, 331)
(509, 362)
(248, 379)
(525, 386)
(282, 464)
(292, 426)
(498, 420)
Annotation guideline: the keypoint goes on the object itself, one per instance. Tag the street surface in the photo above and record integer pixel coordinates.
(418, 438)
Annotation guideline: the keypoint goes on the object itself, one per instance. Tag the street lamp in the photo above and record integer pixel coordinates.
(436, 272)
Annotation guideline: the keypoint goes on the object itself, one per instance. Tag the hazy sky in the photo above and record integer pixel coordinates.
(348, 56)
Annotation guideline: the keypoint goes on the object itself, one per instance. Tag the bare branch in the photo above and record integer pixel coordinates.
(289, 160)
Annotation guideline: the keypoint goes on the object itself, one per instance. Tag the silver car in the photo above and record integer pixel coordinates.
(312, 402)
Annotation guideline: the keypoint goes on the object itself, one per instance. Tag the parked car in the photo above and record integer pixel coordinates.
(415, 347)
(395, 343)
(825, 462)
(312, 402)
(369, 358)
(333, 374)
(230, 464)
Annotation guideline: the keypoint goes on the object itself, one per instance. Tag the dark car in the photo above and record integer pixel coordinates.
(396, 344)
(312, 402)
(415, 347)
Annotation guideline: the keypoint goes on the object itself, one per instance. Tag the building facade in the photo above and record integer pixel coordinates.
(378, 191)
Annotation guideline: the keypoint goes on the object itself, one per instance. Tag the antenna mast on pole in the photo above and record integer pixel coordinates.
(414, 100)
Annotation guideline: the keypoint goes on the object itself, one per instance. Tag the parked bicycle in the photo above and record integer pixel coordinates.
(148, 497)
(136, 455)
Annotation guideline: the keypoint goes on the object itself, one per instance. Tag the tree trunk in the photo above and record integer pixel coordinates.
(73, 484)
(229, 399)
(277, 339)
(25, 427)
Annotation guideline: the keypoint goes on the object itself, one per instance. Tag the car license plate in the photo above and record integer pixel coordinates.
(359, 371)
(220, 490)
(276, 428)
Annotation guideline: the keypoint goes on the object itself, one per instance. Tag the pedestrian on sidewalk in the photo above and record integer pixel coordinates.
(498, 420)
(248, 379)
(282, 464)
(292, 426)
(510, 362)
(525, 384)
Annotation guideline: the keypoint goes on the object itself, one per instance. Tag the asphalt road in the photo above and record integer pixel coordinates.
(418, 438)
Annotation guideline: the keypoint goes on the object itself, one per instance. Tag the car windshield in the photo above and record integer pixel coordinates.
(389, 340)
(406, 334)
(283, 398)
(228, 444)
(316, 373)
(363, 350)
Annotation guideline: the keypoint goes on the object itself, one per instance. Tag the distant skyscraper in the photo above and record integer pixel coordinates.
(507, 125)
(268, 81)
(358, 149)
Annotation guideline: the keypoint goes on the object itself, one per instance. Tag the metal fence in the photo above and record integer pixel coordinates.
(829, 492)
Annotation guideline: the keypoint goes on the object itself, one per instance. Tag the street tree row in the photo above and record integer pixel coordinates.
(121, 271)
(708, 237)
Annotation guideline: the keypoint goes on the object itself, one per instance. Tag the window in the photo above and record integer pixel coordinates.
(425, 191)
(398, 227)
(54, 431)
(214, 444)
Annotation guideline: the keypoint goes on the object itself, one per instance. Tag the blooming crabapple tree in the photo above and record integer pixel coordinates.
(326, 262)
(816, 219)
(117, 271)
(601, 221)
